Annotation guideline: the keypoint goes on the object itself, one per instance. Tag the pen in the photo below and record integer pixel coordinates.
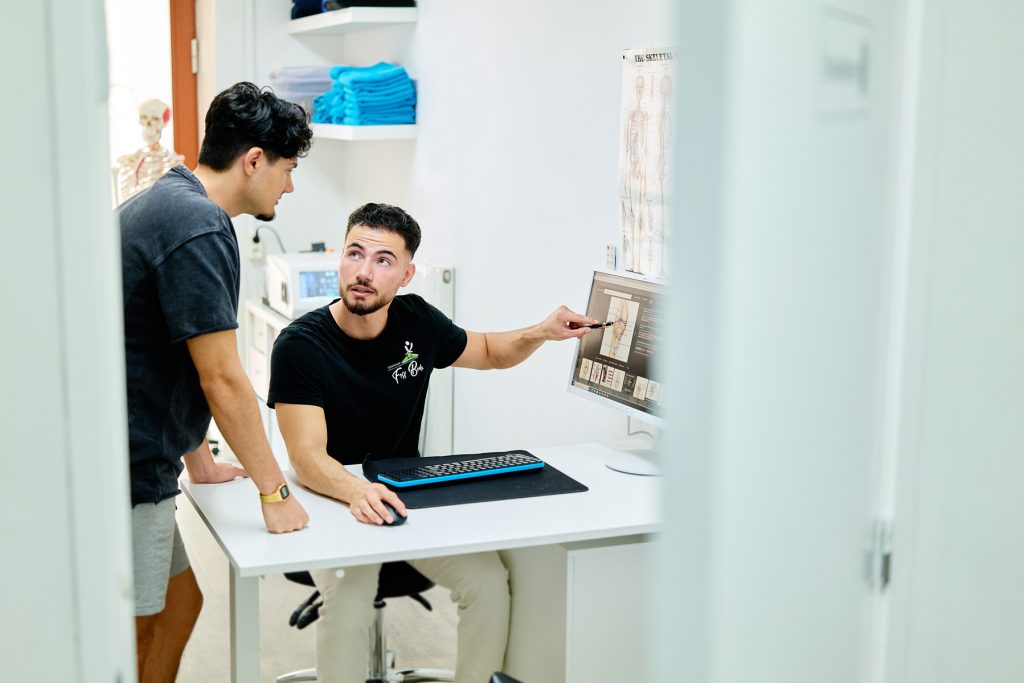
(595, 326)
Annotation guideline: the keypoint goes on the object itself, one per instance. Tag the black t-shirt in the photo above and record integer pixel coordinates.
(179, 258)
(372, 391)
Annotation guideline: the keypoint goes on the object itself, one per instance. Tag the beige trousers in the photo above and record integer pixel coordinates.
(479, 586)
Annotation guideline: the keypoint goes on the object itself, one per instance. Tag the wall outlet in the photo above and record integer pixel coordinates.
(256, 251)
(609, 256)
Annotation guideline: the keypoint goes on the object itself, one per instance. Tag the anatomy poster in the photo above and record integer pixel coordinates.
(645, 157)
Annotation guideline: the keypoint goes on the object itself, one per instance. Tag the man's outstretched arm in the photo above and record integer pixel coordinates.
(236, 410)
(500, 350)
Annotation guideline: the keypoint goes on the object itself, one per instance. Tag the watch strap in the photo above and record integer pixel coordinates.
(277, 496)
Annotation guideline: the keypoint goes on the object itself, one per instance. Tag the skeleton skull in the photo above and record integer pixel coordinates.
(153, 116)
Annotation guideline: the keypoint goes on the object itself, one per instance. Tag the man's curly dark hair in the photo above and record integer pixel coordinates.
(246, 116)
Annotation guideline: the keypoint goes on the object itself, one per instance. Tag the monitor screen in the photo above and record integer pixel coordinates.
(613, 365)
(318, 283)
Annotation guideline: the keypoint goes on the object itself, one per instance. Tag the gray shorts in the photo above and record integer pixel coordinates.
(157, 554)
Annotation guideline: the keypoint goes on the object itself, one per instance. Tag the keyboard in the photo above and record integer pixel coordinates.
(501, 463)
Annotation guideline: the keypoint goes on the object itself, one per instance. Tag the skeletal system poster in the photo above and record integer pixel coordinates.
(645, 159)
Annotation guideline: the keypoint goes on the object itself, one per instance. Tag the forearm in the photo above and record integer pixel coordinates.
(199, 463)
(317, 470)
(500, 350)
(236, 410)
(508, 349)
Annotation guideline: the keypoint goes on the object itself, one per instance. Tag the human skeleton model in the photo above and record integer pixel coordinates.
(142, 168)
(635, 181)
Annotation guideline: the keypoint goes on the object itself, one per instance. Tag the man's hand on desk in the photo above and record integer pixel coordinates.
(219, 473)
(203, 469)
(366, 504)
(288, 515)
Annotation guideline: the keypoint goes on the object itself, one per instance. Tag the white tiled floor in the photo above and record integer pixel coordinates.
(418, 637)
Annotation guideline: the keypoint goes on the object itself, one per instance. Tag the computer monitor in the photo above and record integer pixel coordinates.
(614, 365)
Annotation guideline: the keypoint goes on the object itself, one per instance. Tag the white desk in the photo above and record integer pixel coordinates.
(617, 506)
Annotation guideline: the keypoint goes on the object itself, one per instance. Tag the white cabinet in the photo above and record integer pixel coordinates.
(580, 611)
(262, 325)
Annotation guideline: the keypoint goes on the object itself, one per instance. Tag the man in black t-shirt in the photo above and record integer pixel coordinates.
(180, 274)
(349, 382)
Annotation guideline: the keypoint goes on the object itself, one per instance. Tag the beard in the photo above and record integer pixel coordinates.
(364, 307)
(265, 217)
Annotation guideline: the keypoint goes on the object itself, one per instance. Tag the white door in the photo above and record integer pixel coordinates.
(66, 578)
(957, 611)
(781, 285)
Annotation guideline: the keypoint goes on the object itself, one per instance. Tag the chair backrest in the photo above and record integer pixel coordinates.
(305, 578)
(396, 580)
(400, 579)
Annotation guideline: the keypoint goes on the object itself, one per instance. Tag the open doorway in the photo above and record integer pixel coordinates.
(152, 99)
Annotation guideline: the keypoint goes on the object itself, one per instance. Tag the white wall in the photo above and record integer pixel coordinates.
(65, 584)
(513, 177)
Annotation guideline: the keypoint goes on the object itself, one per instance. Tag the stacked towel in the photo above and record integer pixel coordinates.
(305, 8)
(301, 84)
(366, 96)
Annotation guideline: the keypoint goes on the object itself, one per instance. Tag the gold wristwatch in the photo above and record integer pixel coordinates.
(279, 495)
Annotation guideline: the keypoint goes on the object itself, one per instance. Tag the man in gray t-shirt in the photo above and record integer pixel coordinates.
(180, 273)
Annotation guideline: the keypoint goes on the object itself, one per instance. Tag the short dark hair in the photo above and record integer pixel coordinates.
(390, 218)
(245, 116)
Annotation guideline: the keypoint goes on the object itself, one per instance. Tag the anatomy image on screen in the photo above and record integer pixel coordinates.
(618, 338)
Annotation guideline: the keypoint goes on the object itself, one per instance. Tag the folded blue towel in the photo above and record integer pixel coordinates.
(382, 119)
(323, 106)
(322, 102)
(336, 71)
(358, 112)
(357, 105)
(356, 74)
(377, 75)
(352, 109)
(399, 92)
(378, 84)
(367, 95)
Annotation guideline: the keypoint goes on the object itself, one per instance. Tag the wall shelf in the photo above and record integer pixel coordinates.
(331, 131)
(352, 19)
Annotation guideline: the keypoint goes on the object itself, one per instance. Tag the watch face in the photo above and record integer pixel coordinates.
(284, 491)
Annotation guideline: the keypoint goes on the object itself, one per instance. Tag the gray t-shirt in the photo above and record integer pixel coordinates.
(180, 268)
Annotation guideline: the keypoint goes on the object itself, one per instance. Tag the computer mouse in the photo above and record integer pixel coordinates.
(399, 519)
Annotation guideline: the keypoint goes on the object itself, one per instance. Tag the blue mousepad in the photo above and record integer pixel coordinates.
(547, 481)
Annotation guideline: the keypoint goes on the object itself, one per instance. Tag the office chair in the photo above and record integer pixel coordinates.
(396, 580)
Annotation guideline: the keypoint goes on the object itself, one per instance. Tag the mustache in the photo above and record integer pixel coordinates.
(362, 283)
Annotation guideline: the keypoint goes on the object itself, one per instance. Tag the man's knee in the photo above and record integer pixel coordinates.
(486, 581)
(351, 586)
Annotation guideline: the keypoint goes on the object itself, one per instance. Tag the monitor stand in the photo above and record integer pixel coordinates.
(635, 456)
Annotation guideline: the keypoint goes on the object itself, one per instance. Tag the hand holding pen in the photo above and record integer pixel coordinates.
(595, 326)
(565, 323)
